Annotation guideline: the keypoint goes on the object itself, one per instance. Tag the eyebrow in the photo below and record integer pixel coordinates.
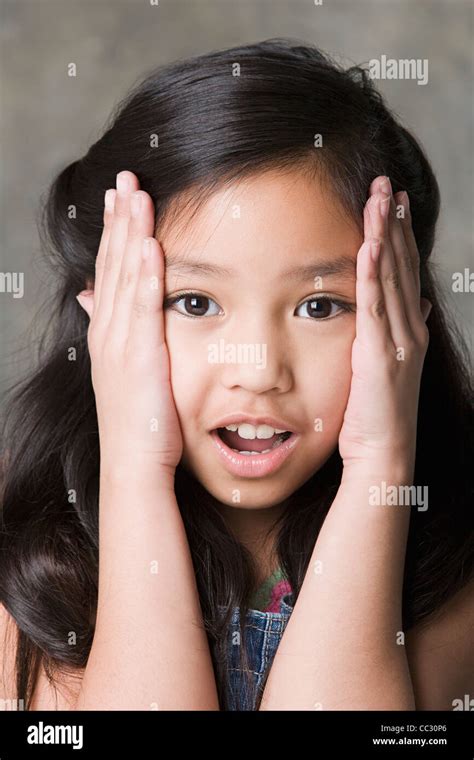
(342, 266)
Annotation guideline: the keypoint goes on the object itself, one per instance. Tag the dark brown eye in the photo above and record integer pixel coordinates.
(197, 305)
(317, 308)
(192, 305)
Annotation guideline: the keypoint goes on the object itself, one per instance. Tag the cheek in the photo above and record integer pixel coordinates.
(327, 378)
(188, 369)
(180, 364)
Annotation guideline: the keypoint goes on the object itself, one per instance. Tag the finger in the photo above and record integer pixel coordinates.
(141, 225)
(109, 202)
(403, 260)
(410, 241)
(147, 333)
(378, 211)
(406, 254)
(126, 183)
(376, 184)
(406, 267)
(372, 326)
(402, 198)
(405, 264)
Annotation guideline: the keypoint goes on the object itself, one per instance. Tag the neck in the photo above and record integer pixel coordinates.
(256, 530)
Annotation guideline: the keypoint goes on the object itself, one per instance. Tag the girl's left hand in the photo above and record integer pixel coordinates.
(379, 428)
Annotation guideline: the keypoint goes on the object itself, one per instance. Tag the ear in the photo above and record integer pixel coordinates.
(86, 299)
(425, 307)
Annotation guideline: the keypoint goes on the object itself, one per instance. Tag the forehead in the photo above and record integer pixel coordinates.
(261, 226)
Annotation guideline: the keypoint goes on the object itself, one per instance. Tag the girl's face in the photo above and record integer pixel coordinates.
(266, 330)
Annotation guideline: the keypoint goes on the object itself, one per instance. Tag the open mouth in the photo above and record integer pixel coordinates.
(253, 451)
(252, 446)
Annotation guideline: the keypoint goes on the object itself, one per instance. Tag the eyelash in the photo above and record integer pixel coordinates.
(343, 305)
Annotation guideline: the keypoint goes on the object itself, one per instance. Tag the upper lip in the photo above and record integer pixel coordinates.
(239, 418)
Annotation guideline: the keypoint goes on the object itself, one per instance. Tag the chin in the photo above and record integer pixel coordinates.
(251, 493)
(248, 494)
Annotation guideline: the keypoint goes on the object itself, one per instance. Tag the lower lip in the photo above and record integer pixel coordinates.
(253, 465)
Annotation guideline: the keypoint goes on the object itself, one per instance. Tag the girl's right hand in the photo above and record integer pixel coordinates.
(137, 418)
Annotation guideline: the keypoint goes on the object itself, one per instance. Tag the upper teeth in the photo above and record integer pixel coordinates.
(250, 432)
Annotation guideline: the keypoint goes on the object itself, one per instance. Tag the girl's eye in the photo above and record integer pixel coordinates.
(194, 305)
(321, 308)
(197, 305)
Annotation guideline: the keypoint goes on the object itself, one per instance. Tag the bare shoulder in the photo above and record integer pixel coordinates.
(48, 695)
(440, 654)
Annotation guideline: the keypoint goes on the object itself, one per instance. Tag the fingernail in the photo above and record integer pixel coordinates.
(135, 203)
(385, 186)
(82, 300)
(406, 200)
(122, 182)
(110, 199)
(385, 205)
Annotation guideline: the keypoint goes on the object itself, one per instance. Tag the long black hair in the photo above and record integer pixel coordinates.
(184, 130)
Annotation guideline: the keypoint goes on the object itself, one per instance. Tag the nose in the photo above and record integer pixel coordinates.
(253, 364)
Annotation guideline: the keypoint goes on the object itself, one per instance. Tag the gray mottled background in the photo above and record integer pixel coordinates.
(48, 119)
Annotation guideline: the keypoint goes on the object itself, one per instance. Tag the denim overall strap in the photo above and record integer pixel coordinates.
(264, 632)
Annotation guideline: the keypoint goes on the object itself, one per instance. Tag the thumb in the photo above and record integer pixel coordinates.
(86, 299)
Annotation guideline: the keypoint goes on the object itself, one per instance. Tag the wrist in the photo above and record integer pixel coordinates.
(136, 472)
(394, 470)
(380, 490)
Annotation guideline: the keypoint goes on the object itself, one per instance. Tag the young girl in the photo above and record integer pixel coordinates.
(241, 476)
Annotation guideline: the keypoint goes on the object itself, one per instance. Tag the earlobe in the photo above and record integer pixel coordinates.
(425, 307)
(86, 299)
